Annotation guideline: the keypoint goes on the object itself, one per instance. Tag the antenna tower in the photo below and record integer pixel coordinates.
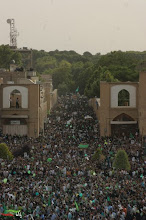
(13, 32)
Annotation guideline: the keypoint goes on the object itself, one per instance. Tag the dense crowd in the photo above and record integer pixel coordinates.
(59, 180)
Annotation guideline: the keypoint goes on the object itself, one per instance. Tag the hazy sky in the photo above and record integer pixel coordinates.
(80, 25)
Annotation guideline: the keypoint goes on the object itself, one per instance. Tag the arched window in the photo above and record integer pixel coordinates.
(15, 99)
(12, 92)
(123, 98)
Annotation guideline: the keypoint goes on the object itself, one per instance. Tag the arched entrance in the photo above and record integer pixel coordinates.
(123, 124)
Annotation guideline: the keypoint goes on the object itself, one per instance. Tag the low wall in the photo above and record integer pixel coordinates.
(94, 103)
(53, 98)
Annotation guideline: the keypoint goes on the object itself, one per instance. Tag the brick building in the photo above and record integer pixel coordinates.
(121, 108)
(24, 102)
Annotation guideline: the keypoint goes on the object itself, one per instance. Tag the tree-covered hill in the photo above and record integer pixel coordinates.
(71, 70)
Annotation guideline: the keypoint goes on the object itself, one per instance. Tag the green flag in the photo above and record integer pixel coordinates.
(131, 135)
(77, 207)
(49, 200)
(12, 211)
(49, 159)
(5, 208)
(83, 145)
(108, 199)
(77, 89)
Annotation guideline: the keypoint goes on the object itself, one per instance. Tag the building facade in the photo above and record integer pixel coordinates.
(122, 107)
(24, 103)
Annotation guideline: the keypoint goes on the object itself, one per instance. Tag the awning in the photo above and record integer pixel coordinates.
(123, 122)
(14, 116)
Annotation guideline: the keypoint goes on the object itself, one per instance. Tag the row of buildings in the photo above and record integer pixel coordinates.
(24, 101)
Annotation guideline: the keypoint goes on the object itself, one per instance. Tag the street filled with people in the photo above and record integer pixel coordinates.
(58, 178)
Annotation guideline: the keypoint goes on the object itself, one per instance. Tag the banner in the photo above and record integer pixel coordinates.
(82, 146)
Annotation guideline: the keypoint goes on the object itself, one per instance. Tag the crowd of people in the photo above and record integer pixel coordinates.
(59, 180)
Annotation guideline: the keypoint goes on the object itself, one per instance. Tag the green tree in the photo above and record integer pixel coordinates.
(5, 152)
(121, 161)
(7, 55)
(87, 70)
(98, 156)
(62, 74)
(84, 76)
(93, 89)
(93, 85)
(62, 89)
(69, 56)
(106, 75)
(46, 64)
(76, 69)
(122, 65)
